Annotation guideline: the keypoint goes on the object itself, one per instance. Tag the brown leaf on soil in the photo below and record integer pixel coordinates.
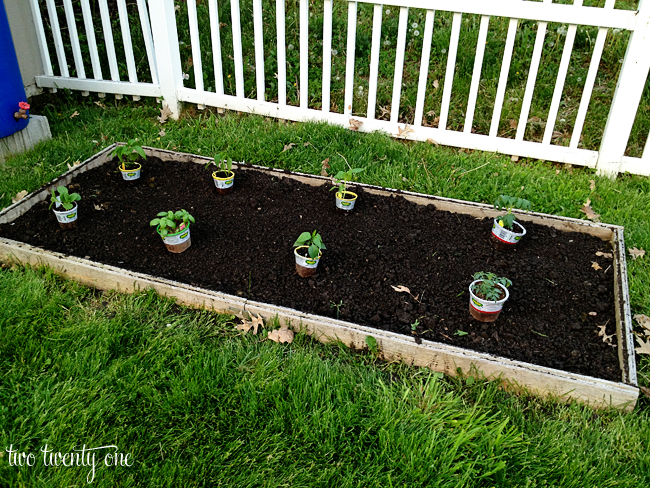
(513, 123)
(644, 347)
(283, 334)
(589, 212)
(595, 265)
(400, 289)
(164, 114)
(593, 314)
(605, 254)
(324, 166)
(592, 185)
(606, 338)
(403, 132)
(435, 143)
(635, 253)
(289, 146)
(644, 322)
(19, 196)
(254, 323)
(355, 124)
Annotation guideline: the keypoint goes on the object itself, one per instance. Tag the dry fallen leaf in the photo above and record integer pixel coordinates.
(164, 114)
(283, 334)
(436, 84)
(19, 196)
(254, 323)
(593, 314)
(635, 253)
(76, 163)
(556, 134)
(324, 166)
(644, 347)
(514, 158)
(289, 146)
(161, 133)
(74, 114)
(98, 207)
(589, 212)
(646, 391)
(592, 185)
(644, 322)
(605, 254)
(435, 143)
(400, 289)
(355, 124)
(557, 171)
(595, 265)
(606, 338)
(100, 104)
(403, 132)
(513, 123)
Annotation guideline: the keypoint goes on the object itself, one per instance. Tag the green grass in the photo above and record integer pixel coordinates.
(197, 405)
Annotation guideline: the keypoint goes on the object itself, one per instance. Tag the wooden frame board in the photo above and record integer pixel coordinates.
(451, 360)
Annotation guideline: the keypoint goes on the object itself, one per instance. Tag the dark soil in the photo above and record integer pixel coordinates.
(242, 245)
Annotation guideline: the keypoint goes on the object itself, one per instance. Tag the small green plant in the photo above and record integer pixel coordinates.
(169, 220)
(337, 306)
(223, 164)
(64, 198)
(460, 333)
(129, 153)
(313, 242)
(487, 286)
(342, 178)
(372, 345)
(414, 325)
(505, 202)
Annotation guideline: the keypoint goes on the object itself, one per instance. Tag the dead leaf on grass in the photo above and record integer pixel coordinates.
(644, 322)
(355, 124)
(324, 166)
(557, 171)
(435, 143)
(592, 185)
(283, 334)
(605, 254)
(76, 163)
(556, 134)
(635, 253)
(254, 323)
(165, 112)
(401, 289)
(595, 265)
(589, 212)
(436, 84)
(513, 123)
(289, 146)
(514, 158)
(162, 133)
(644, 346)
(100, 104)
(19, 196)
(75, 113)
(646, 391)
(403, 132)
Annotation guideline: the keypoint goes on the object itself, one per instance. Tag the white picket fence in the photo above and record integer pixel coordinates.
(159, 31)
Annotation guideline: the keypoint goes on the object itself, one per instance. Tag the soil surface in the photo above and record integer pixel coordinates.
(242, 245)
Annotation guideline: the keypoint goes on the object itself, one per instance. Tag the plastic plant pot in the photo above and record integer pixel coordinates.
(485, 310)
(224, 181)
(504, 239)
(131, 174)
(345, 201)
(67, 218)
(178, 241)
(305, 265)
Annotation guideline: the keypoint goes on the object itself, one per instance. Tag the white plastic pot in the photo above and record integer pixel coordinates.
(507, 237)
(485, 310)
(306, 266)
(178, 241)
(224, 184)
(346, 200)
(131, 174)
(67, 218)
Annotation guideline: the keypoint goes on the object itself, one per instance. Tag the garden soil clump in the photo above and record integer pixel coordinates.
(242, 245)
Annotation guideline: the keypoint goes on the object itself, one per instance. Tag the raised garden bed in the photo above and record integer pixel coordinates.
(241, 260)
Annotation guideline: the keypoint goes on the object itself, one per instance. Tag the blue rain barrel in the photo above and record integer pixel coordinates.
(12, 90)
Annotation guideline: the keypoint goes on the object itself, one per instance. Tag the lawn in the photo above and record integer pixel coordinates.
(193, 403)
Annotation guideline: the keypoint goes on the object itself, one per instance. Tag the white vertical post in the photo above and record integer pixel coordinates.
(304, 54)
(349, 57)
(451, 69)
(476, 74)
(503, 77)
(629, 88)
(216, 46)
(148, 40)
(126, 39)
(424, 67)
(378, 11)
(196, 46)
(259, 49)
(236, 43)
(282, 53)
(58, 42)
(92, 42)
(399, 63)
(168, 58)
(40, 37)
(327, 54)
(108, 39)
(74, 40)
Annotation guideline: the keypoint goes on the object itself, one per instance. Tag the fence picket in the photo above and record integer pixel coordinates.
(148, 40)
(399, 64)
(503, 77)
(126, 40)
(236, 43)
(349, 57)
(327, 55)
(304, 54)
(58, 41)
(476, 74)
(92, 42)
(378, 11)
(108, 40)
(451, 68)
(259, 49)
(215, 37)
(40, 38)
(424, 67)
(532, 78)
(282, 53)
(74, 40)
(196, 46)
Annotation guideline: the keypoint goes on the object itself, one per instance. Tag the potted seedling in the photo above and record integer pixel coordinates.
(345, 199)
(307, 253)
(506, 231)
(224, 176)
(67, 217)
(128, 156)
(487, 294)
(174, 228)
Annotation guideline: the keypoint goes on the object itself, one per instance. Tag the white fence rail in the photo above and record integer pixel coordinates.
(158, 31)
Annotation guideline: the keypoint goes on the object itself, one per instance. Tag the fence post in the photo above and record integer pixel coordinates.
(627, 96)
(168, 57)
